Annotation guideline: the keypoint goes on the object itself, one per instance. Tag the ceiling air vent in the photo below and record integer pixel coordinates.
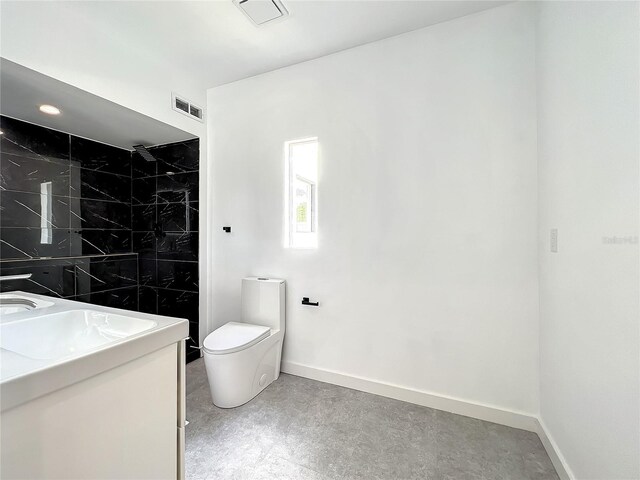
(185, 107)
(262, 11)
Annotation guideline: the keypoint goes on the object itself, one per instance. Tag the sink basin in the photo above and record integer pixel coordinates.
(67, 333)
(6, 309)
(61, 342)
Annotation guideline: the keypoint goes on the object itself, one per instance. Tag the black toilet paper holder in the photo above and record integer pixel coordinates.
(305, 301)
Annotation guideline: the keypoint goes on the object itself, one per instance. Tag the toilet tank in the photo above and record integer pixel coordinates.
(263, 302)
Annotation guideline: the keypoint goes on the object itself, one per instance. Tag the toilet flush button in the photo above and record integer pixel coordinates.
(263, 379)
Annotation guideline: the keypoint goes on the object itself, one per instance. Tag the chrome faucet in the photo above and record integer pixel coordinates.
(22, 276)
(24, 302)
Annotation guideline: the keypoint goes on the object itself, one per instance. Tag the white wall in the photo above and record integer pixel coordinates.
(589, 291)
(63, 41)
(426, 270)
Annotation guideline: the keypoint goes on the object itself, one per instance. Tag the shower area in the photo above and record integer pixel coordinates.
(164, 223)
(99, 212)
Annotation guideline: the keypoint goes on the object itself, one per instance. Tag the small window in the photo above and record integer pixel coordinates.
(301, 193)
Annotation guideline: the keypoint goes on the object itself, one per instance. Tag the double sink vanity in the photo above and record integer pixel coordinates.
(89, 391)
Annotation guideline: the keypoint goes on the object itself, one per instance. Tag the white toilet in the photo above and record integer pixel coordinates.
(243, 358)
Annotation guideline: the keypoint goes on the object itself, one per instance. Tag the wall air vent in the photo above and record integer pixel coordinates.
(179, 104)
(262, 11)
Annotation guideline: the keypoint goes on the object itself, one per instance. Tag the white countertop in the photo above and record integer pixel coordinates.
(23, 378)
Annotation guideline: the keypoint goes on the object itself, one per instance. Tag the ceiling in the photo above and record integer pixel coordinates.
(216, 44)
(23, 90)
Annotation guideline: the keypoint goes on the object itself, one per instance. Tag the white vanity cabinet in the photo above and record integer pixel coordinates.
(117, 413)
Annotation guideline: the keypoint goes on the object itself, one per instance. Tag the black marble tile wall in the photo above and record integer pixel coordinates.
(26, 140)
(52, 277)
(26, 174)
(165, 231)
(115, 229)
(99, 242)
(144, 243)
(98, 274)
(126, 298)
(100, 280)
(178, 246)
(23, 210)
(61, 195)
(65, 208)
(177, 275)
(26, 243)
(96, 185)
(99, 157)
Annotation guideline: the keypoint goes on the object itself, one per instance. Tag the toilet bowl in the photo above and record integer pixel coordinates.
(243, 357)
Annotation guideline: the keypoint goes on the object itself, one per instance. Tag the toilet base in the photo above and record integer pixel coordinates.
(235, 378)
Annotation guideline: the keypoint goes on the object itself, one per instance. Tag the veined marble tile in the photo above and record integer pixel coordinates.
(93, 155)
(177, 275)
(28, 140)
(143, 217)
(177, 157)
(89, 214)
(178, 188)
(178, 217)
(148, 300)
(26, 174)
(20, 209)
(48, 277)
(144, 244)
(126, 298)
(105, 273)
(27, 243)
(178, 246)
(97, 185)
(143, 190)
(178, 303)
(100, 242)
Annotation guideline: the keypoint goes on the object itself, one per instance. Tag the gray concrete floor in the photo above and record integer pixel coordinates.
(300, 429)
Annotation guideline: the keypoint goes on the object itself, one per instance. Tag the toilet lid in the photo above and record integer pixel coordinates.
(234, 336)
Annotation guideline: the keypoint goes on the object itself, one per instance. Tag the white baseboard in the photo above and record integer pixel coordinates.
(558, 460)
(489, 413)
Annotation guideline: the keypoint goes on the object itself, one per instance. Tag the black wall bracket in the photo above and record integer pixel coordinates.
(227, 229)
(305, 301)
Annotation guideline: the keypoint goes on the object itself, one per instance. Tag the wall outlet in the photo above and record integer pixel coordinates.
(553, 240)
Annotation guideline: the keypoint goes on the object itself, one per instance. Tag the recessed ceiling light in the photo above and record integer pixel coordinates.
(1, 132)
(49, 109)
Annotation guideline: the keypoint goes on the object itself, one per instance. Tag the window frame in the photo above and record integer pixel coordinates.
(292, 238)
